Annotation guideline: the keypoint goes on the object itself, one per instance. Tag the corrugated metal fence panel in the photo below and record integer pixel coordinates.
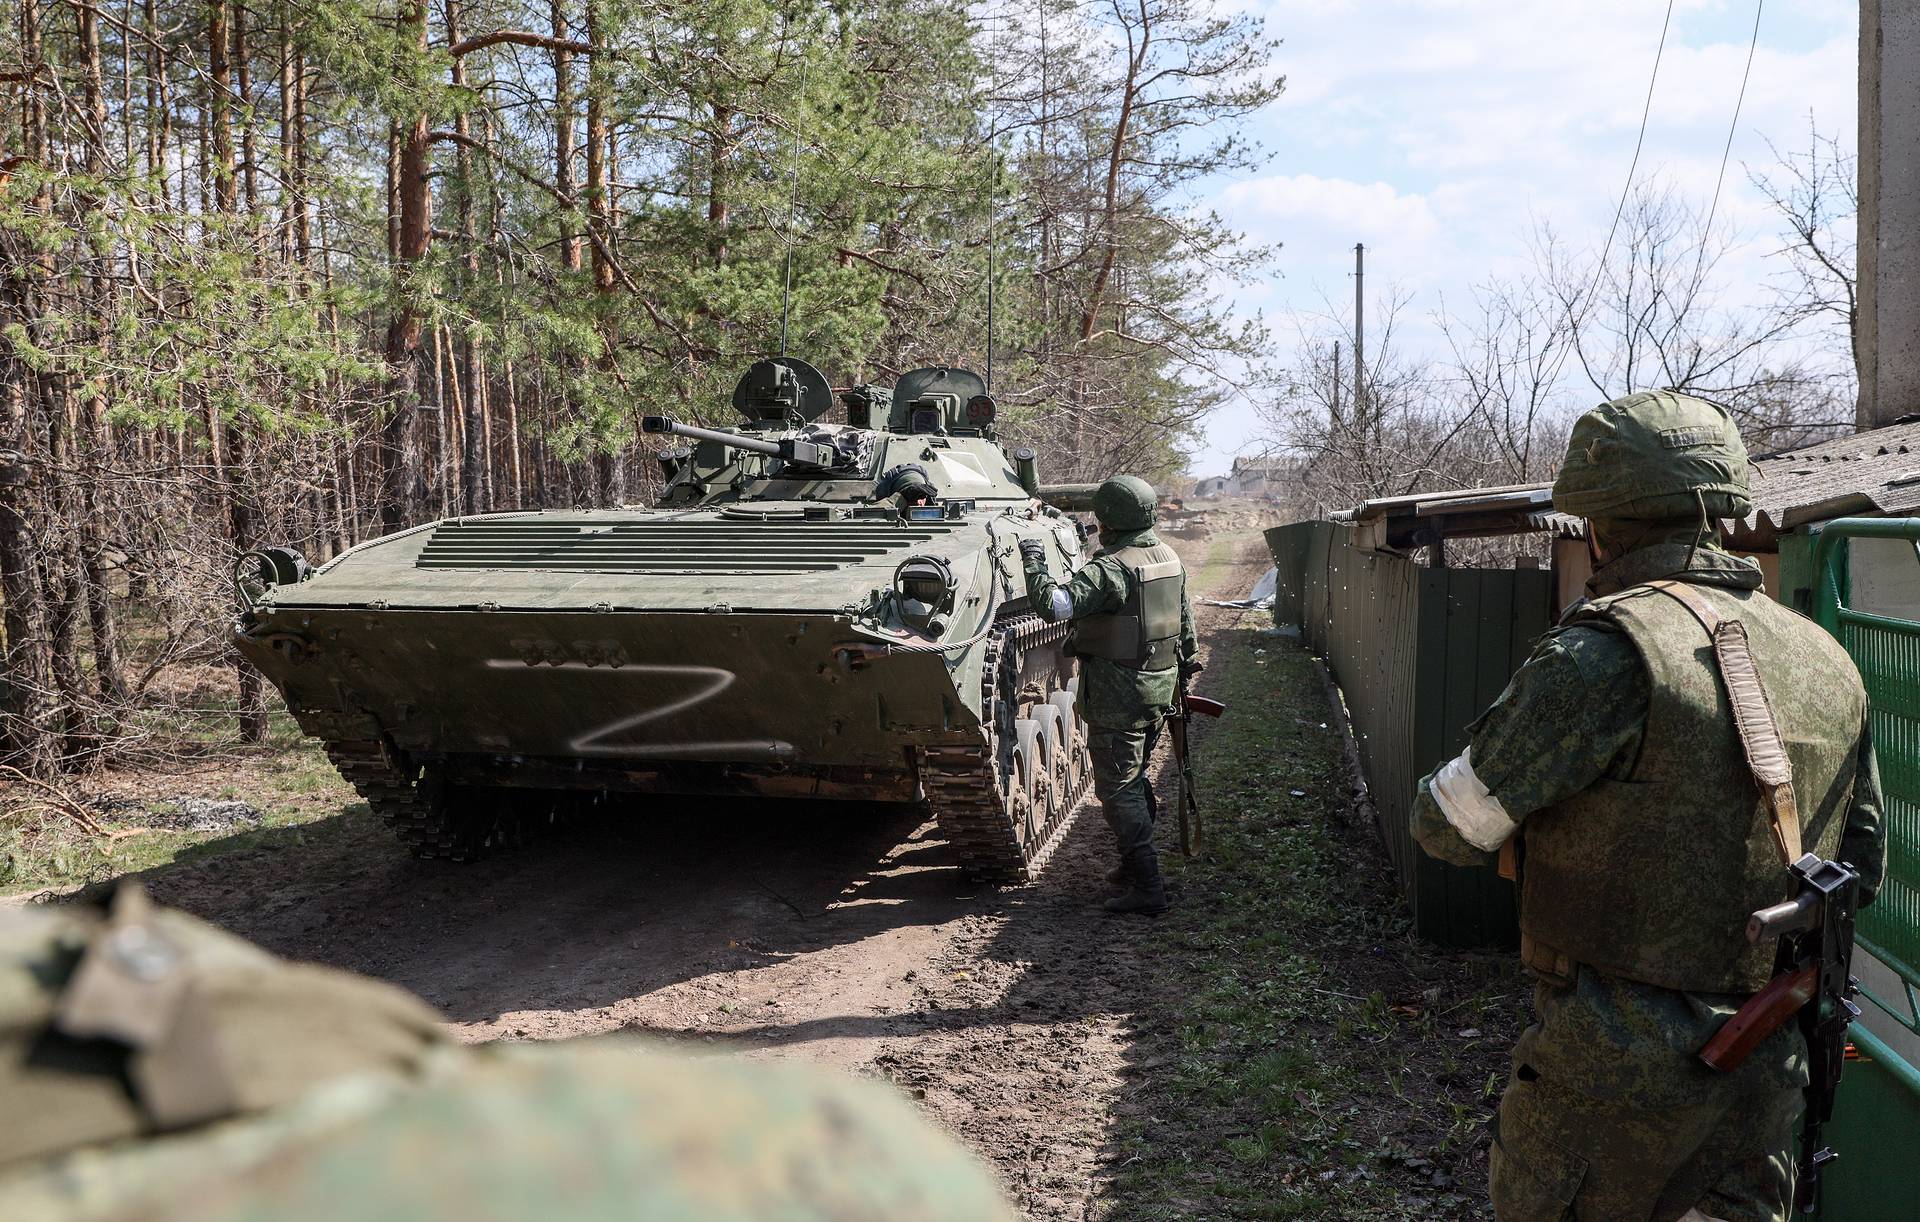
(1887, 651)
(1315, 586)
(1289, 546)
(1888, 654)
(1878, 1110)
(1418, 654)
(1478, 625)
(1381, 685)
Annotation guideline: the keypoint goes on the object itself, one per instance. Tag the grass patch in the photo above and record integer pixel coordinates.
(290, 782)
(1305, 1057)
(1222, 551)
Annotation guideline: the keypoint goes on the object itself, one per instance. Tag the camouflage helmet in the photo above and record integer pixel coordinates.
(1125, 502)
(1654, 456)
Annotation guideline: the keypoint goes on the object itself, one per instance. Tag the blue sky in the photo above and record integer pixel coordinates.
(1438, 132)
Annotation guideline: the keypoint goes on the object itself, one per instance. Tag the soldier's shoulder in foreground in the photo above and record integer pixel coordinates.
(607, 1129)
(1577, 674)
(1586, 651)
(610, 1130)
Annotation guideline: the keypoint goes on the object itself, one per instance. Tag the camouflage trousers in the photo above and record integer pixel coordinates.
(1725, 1149)
(1120, 783)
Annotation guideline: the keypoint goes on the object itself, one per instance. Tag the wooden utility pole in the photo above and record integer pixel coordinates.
(1336, 380)
(1359, 328)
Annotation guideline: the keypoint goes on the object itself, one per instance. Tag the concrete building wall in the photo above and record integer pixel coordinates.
(1887, 346)
(1885, 577)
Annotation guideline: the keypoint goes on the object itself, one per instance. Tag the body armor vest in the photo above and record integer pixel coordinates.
(1145, 632)
(1653, 877)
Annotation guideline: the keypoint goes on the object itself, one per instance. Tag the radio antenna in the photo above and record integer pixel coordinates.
(793, 199)
(993, 202)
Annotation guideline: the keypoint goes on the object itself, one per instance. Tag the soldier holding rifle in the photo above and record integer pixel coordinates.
(1678, 755)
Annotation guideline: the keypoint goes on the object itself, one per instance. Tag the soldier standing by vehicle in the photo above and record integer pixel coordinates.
(1133, 631)
(1613, 768)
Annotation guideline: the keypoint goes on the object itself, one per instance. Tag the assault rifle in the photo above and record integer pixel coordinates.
(1814, 985)
(1190, 832)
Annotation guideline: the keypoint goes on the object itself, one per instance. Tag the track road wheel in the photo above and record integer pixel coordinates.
(999, 801)
(1059, 745)
(1073, 736)
(1027, 782)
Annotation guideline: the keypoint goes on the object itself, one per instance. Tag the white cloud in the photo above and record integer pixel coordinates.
(1440, 132)
(1369, 210)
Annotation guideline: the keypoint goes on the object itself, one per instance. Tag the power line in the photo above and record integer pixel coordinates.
(1753, 43)
(1633, 167)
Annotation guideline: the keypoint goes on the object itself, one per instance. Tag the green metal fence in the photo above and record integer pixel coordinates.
(1876, 1123)
(1887, 651)
(1418, 654)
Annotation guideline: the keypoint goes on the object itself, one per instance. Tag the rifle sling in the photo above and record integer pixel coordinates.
(1760, 739)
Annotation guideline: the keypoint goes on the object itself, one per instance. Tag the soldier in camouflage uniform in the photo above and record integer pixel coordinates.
(152, 1067)
(908, 483)
(1133, 631)
(1613, 766)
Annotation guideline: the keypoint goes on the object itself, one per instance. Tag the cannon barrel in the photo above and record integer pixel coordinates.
(793, 450)
(1074, 498)
(753, 445)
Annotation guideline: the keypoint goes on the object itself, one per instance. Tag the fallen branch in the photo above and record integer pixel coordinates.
(60, 802)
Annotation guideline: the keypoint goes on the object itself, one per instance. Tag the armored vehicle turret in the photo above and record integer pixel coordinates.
(811, 610)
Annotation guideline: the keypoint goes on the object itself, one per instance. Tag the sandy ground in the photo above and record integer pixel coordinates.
(842, 934)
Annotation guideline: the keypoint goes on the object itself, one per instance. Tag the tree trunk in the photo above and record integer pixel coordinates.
(28, 715)
(108, 672)
(243, 518)
(61, 564)
(44, 401)
(243, 87)
(293, 203)
(241, 514)
(610, 484)
(1110, 203)
(717, 141)
(398, 458)
(220, 106)
(563, 135)
(513, 441)
(467, 355)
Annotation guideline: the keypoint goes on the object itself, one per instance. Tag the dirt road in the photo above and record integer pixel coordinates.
(838, 933)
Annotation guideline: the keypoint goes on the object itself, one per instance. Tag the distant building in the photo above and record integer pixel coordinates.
(1269, 478)
(1264, 477)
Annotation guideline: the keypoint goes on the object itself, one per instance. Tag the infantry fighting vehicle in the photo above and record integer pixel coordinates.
(811, 610)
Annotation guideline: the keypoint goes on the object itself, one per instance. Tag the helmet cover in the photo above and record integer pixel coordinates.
(1654, 456)
(1125, 502)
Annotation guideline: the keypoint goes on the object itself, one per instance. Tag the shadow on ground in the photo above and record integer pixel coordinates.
(652, 892)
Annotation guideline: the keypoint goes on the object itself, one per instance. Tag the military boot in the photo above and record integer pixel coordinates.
(1120, 876)
(1145, 893)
